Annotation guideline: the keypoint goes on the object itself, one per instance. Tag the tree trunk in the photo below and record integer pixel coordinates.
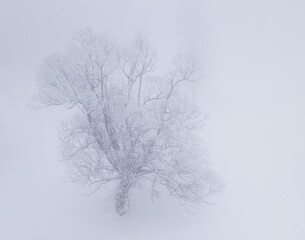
(122, 198)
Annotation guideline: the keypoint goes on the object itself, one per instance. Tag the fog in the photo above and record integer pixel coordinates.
(253, 55)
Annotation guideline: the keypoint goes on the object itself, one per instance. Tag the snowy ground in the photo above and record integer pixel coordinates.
(253, 91)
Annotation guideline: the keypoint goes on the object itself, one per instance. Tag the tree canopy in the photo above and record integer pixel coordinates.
(130, 127)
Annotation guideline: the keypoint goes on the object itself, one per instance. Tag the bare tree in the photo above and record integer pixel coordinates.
(129, 128)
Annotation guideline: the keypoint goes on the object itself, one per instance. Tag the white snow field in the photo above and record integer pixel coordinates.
(253, 53)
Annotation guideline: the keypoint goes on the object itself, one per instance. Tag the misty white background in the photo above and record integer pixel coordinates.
(253, 54)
